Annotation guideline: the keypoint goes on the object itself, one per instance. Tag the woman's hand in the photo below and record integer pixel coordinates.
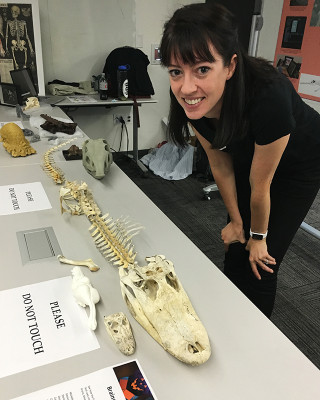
(231, 233)
(259, 256)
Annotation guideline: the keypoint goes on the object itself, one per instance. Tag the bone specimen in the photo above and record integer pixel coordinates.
(119, 328)
(49, 165)
(96, 157)
(53, 125)
(85, 294)
(84, 263)
(14, 141)
(32, 102)
(73, 153)
(157, 300)
(112, 237)
(153, 293)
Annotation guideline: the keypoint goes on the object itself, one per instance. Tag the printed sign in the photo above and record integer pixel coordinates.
(25, 197)
(122, 382)
(42, 323)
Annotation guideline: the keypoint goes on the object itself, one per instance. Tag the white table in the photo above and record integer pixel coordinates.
(251, 359)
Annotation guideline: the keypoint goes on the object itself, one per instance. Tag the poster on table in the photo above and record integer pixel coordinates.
(20, 41)
(122, 382)
(298, 46)
(41, 324)
(24, 197)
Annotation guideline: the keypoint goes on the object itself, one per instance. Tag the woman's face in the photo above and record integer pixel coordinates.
(199, 88)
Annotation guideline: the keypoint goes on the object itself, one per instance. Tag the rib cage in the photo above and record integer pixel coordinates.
(112, 237)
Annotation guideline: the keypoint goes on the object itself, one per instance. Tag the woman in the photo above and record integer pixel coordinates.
(261, 139)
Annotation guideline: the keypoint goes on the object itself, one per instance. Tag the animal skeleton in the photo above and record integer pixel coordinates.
(49, 164)
(112, 237)
(153, 294)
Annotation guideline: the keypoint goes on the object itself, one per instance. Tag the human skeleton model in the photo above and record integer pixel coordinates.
(18, 30)
(85, 294)
(153, 293)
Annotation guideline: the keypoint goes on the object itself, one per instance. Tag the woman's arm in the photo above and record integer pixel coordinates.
(222, 171)
(264, 164)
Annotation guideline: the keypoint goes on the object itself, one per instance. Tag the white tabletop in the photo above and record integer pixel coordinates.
(251, 358)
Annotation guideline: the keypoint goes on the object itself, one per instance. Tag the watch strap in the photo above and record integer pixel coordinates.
(258, 236)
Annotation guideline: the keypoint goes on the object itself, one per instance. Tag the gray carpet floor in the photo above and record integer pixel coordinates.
(297, 307)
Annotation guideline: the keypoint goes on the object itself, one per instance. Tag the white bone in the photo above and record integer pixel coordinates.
(85, 294)
(85, 263)
(119, 328)
(157, 300)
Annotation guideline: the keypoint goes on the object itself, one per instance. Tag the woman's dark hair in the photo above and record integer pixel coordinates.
(187, 36)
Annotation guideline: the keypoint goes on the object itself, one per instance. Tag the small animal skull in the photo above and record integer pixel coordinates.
(96, 157)
(119, 328)
(32, 102)
(157, 300)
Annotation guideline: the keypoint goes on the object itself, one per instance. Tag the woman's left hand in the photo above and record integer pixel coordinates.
(259, 256)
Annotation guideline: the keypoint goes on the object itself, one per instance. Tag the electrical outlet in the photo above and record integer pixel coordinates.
(126, 118)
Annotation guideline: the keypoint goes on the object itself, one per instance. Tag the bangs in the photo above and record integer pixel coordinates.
(190, 48)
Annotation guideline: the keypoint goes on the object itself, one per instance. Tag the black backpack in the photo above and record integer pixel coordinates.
(138, 78)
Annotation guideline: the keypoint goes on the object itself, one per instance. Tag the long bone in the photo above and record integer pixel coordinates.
(84, 263)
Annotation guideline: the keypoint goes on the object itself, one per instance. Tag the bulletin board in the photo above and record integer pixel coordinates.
(298, 47)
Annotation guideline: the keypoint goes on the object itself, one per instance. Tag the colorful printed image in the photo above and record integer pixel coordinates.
(132, 382)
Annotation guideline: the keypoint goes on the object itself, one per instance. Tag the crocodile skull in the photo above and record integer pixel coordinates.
(157, 300)
(119, 328)
(96, 157)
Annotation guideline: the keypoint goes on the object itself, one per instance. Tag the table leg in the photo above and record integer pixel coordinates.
(135, 147)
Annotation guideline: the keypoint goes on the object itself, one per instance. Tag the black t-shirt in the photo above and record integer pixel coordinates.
(275, 112)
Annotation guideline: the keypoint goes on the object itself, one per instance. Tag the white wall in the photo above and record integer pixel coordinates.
(78, 35)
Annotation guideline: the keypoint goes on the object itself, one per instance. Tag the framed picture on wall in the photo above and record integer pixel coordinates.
(298, 3)
(287, 60)
(8, 95)
(20, 41)
(293, 32)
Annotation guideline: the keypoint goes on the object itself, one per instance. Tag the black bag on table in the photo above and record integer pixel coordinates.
(139, 81)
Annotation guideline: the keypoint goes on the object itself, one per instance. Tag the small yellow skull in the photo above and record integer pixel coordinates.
(14, 141)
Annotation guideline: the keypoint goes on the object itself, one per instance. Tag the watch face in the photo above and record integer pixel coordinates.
(256, 236)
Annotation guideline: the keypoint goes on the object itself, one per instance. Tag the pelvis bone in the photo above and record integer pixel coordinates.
(85, 294)
(157, 300)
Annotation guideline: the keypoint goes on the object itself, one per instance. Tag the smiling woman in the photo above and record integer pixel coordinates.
(261, 139)
(199, 88)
